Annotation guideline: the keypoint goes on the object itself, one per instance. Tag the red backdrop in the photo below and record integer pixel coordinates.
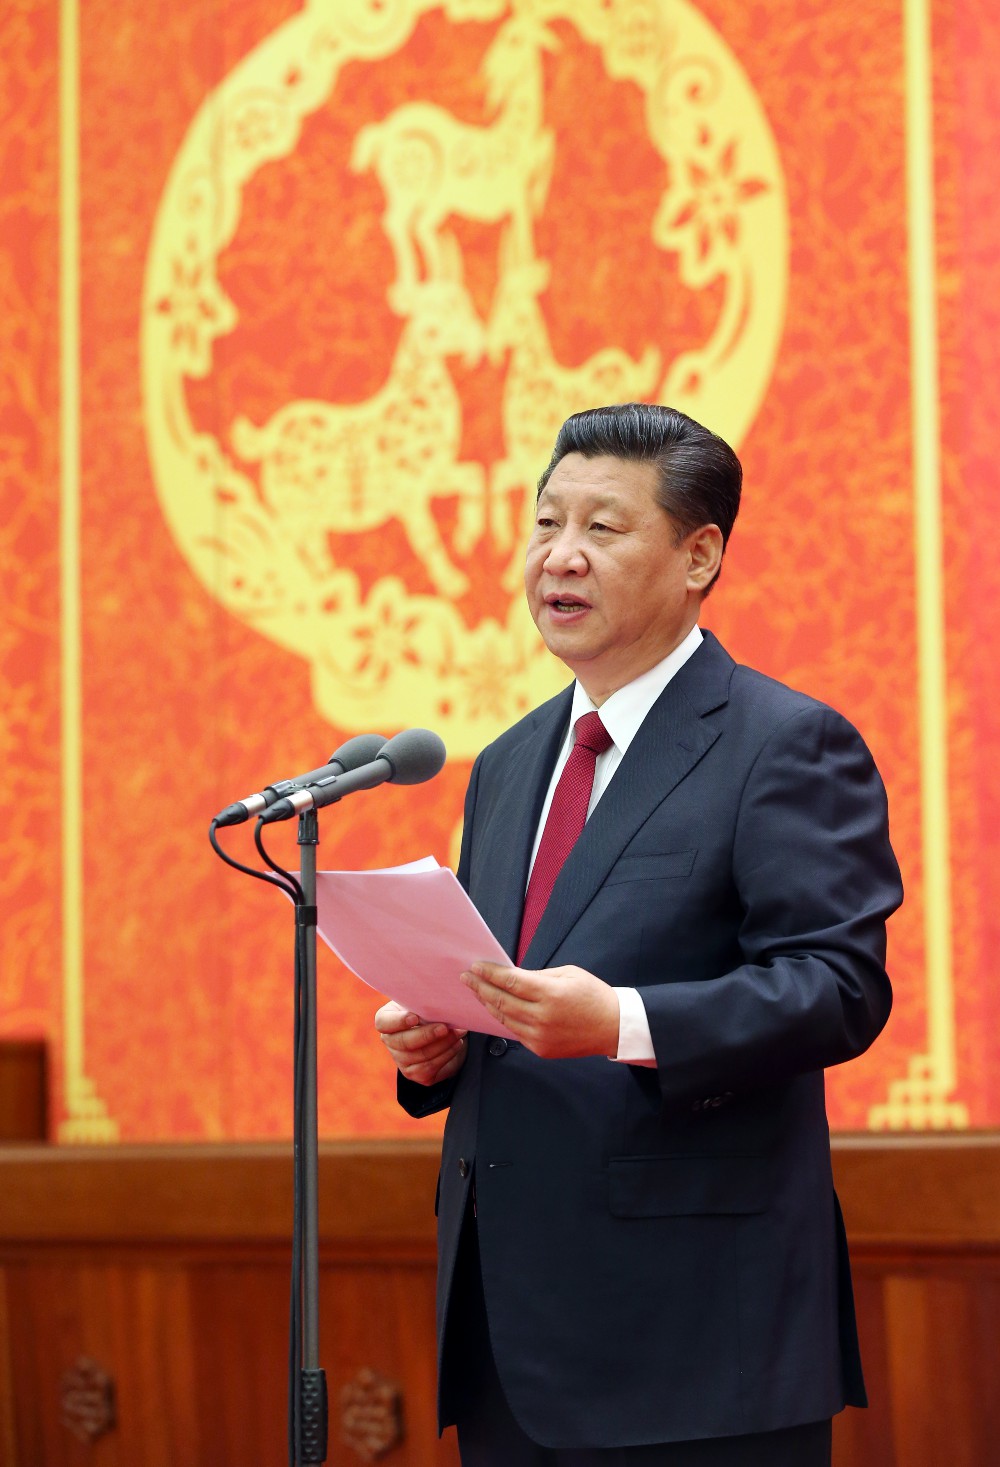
(140, 692)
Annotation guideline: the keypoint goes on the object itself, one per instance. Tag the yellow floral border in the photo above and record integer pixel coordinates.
(86, 1117)
(922, 1099)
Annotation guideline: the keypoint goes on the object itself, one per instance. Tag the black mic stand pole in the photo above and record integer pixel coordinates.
(420, 755)
(312, 1380)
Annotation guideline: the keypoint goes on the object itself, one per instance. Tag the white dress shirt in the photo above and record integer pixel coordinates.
(622, 715)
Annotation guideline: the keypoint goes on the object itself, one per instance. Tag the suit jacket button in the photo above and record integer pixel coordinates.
(463, 1167)
(498, 1046)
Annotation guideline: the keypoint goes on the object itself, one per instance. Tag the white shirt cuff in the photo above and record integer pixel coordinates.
(635, 1043)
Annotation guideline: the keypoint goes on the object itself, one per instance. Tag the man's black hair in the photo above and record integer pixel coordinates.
(699, 477)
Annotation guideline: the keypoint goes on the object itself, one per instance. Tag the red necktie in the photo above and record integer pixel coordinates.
(566, 818)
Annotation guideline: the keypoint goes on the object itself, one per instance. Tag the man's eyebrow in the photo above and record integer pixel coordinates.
(592, 501)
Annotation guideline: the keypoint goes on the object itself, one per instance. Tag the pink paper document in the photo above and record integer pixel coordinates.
(409, 932)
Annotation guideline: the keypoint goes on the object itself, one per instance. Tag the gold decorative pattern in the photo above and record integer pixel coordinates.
(87, 1401)
(922, 1099)
(371, 1415)
(260, 510)
(86, 1115)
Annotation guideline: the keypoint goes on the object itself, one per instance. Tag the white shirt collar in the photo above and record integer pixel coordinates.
(623, 713)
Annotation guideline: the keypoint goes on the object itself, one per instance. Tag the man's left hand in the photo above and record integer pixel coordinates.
(557, 1013)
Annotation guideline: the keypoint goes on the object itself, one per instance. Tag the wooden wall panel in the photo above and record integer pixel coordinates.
(931, 1334)
(923, 1218)
(198, 1353)
(23, 1090)
(169, 1267)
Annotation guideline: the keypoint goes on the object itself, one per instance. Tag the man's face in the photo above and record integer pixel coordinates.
(609, 589)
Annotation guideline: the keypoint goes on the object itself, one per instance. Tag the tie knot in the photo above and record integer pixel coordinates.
(591, 733)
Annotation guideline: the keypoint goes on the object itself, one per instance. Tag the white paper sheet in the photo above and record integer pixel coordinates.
(409, 931)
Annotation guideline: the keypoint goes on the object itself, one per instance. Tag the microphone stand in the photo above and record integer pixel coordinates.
(307, 1398)
(310, 1392)
(418, 755)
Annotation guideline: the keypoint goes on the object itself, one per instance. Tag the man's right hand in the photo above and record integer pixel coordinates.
(426, 1053)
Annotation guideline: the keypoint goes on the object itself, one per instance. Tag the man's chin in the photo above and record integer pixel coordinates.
(571, 650)
(562, 639)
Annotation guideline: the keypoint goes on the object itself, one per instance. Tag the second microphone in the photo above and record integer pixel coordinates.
(411, 757)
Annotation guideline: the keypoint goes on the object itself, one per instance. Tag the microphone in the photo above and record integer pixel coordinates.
(352, 755)
(413, 756)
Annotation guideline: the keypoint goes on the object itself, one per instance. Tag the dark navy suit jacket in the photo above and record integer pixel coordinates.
(662, 1251)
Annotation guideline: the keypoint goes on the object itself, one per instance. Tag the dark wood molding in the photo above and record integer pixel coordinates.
(917, 1192)
(216, 1193)
(23, 1090)
(920, 1192)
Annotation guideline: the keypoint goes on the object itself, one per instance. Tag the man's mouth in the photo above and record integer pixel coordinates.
(566, 604)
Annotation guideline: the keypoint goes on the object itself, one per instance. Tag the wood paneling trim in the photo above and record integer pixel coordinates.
(899, 1192)
(927, 1193)
(378, 1192)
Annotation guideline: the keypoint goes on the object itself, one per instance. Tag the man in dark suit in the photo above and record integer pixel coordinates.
(641, 1257)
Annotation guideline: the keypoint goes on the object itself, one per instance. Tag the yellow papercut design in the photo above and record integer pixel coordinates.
(254, 514)
(87, 1121)
(86, 1116)
(922, 1098)
(920, 1102)
(335, 468)
(431, 166)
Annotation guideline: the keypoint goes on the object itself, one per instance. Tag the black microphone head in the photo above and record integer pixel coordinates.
(362, 749)
(416, 754)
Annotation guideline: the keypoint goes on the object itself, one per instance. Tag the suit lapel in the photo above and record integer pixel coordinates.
(673, 738)
(503, 852)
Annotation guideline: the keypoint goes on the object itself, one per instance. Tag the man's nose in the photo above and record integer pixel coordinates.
(565, 555)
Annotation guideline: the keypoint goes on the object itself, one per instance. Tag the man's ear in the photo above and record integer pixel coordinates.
(705, 548)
